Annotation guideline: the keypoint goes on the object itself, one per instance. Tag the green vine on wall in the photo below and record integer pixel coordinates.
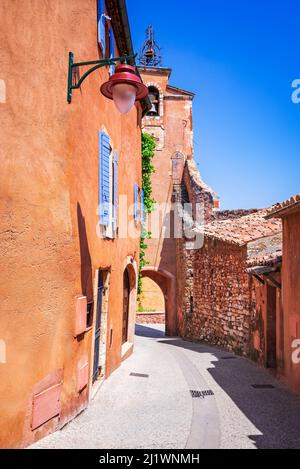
(148, 149)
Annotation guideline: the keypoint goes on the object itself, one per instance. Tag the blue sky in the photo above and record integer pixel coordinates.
(240, 58)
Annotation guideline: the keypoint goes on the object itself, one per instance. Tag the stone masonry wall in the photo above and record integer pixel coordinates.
(198, 191)
(151, 318)
(192, 190)
(232, 214)
(220, 313)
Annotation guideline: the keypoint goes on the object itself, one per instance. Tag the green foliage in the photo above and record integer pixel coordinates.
(143, 310)
(148, 149)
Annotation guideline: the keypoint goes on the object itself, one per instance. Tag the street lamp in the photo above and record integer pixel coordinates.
(124, 87)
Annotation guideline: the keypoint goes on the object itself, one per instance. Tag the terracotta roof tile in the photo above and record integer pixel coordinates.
(265, 251)
(241, 231)
(279, 208)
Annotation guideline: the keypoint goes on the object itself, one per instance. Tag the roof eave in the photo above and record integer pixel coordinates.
(161, 70)
(283, 211)
(264, 269)
(181, 90)
(119, 19)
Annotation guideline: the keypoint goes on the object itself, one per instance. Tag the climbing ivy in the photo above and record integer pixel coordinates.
(148, 149)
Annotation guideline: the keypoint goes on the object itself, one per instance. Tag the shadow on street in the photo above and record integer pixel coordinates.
(151, 331)
(274, 412)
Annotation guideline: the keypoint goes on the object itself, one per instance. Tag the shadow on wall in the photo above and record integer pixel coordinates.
(86, 261)
(275, 413)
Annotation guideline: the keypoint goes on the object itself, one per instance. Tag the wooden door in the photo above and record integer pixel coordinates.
(126, 300)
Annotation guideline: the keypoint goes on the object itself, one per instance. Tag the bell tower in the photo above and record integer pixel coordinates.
(170, 122)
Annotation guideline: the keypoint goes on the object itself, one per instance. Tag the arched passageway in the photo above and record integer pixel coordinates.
(151, 308)
(152, 298)
(129, 302)
(166, 282)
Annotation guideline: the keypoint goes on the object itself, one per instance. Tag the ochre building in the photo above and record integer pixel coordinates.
(68, 279)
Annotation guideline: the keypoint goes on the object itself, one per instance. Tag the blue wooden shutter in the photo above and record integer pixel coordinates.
(136, 203)
(142, 207)
(111, 50)
(115, 182)
(101, 24)
(104, 178)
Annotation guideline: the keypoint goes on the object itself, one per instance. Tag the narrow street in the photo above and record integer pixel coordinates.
(154, 408)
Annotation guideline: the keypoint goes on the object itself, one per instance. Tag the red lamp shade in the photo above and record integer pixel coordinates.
(125, 88)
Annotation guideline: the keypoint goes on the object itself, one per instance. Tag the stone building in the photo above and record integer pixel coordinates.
(68, 279)
(215, 305)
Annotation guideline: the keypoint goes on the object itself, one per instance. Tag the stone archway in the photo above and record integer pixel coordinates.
(166, 281)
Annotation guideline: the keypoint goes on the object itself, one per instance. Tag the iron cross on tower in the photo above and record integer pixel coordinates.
(150, 55)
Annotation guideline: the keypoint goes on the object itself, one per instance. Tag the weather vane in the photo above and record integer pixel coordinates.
(150, 55)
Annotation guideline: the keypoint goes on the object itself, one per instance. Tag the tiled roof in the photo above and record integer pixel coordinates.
(281, 208)
(243, 230)
(265, 251)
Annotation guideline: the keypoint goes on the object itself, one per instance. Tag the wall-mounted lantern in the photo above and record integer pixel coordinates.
(124, 87)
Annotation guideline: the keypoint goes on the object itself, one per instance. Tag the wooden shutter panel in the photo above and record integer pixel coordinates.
(142, 207)
(136, 203)
(115, 182)
(104, 178)
(111, 50)
(101, 25)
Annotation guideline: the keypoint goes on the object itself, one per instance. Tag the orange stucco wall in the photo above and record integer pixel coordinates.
(291, 296)
(49, 193)
(152, 298)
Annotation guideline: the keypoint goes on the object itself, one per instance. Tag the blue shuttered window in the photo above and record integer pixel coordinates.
(104, 178)
(101, 25)
(136, 203)
(142, 207)
(115, 194)
(111, 50)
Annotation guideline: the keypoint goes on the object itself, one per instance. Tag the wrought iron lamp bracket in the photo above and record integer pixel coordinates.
(95, 64)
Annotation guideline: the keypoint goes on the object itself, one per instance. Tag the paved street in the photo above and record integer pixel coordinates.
(158, 411)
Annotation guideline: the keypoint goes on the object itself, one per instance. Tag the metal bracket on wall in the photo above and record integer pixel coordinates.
(95, 65)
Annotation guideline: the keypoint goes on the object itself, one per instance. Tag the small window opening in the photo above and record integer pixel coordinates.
(154, 98)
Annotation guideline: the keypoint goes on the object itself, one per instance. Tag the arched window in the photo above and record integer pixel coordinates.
(154, 98)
